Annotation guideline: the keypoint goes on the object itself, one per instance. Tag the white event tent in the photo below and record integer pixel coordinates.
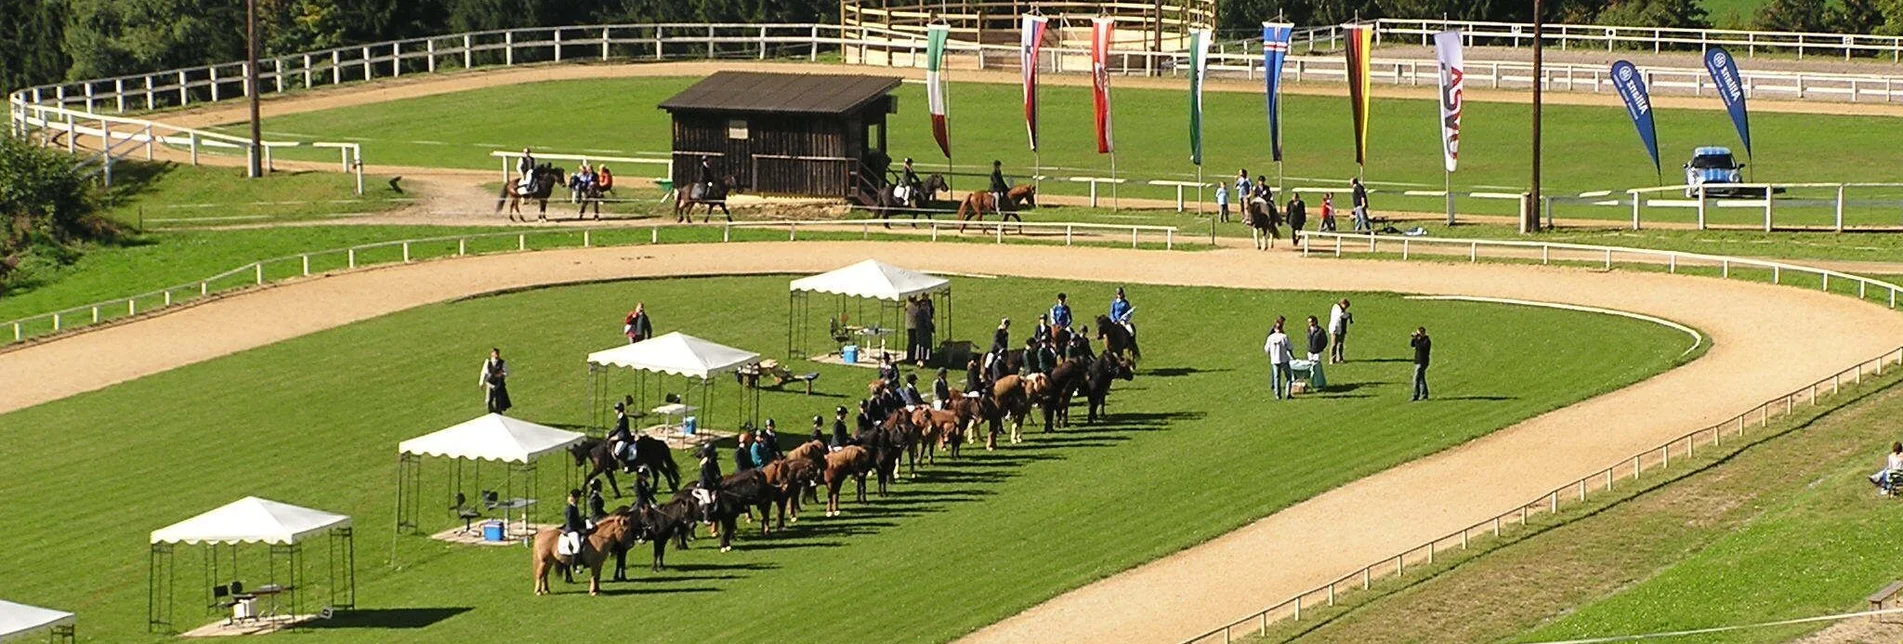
(517, 444)
(674, 354)
(20, 621)
(888, 287)
(282, 527)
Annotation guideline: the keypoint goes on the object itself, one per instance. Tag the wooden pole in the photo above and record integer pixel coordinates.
(1533, 205)
(256, 160)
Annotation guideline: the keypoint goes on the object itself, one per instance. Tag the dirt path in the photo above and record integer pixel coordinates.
(1206, 585)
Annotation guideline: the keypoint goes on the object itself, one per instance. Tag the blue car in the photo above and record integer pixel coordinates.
(1712, 166)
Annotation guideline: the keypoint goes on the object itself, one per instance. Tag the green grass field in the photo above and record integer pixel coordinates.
(169, 195)
(314, 420)
(1874, 247)
(1587, 148)
(1786, 528)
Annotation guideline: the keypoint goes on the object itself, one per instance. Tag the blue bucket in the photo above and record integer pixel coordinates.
(492, 531)
(849, 353)
(689, 425)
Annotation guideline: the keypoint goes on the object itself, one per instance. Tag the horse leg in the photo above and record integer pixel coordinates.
(861, 480)
(612, 485)
(726, 534)
(541, 577)
(660, 553)
(594, 579)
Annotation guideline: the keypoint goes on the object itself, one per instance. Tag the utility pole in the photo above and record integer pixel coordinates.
(255, 168)
(1532, 216)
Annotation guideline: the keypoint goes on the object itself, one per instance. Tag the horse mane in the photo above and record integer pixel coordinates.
(808, 451)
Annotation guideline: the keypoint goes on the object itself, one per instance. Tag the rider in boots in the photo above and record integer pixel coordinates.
(621, 440)
(1000, 190)
(709, 481)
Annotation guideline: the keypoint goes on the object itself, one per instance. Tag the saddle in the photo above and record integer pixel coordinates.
(568, 545)
(524, 188)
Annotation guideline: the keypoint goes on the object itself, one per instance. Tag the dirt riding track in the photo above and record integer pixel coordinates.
(1766, 340)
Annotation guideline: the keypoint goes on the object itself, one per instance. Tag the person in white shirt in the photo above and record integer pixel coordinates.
(1280, 375)
(1892, 465)
(1338, 321)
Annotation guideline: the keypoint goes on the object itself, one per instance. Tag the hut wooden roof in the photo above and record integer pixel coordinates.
(759, 92)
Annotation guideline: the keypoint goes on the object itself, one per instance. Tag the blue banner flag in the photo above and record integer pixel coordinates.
(1638, 104)
(1275, 38)
(1724, 74)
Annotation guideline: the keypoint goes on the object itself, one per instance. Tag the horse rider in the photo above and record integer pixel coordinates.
(709, 487)
(525, 168)
(621, 440)
(574, 526)
(819, 432)
(1036, 359)
(643, 488)
(941, 390)
(767, 444)
(840, 438)
(1120, 311)
(1000, 191)
(1042, 332)
(1060, 312)
(1001, 339)
(909, 393)
(1080, 345)
(706, 180)
(909, 185)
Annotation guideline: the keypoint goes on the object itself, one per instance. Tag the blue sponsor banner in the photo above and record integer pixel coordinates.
(1275, 40)
(1638, 104)
(1724, 74)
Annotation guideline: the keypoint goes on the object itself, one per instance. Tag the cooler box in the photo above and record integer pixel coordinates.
(849, 353)
(492, 531)
(689, 425)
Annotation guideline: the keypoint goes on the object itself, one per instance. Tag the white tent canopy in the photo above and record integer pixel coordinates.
(675, 353)
(21, 620)
(251, 520)
(874, 279)
(492, 437)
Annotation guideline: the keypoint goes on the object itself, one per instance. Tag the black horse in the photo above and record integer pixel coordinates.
(1118, 340)
(542, 182)
(702, 194)
(1096, 384)
(649, 452)
(917, 203)
(739, 494)
(672, 521)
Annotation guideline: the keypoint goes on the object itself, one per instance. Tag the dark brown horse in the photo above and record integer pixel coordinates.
(1118, 340)
(977, 203)
(711, 196)
(648, 452)
(542, 182)
(887, 203)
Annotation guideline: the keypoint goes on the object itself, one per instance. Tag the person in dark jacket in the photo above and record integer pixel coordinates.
(1297, 212)
(637, 326)
(1000, 191)
(643, 488)
(994, 369)
(819, 430)
(572, 520)
(743, 453)
(769, 441)
(597, 506)
(495, 383)
(840, 437)
(1080, 345)
(1001, 338)
(974, 377)
(1359, 206)
(941, 390)
(761, 453)
(909, 393)
(709, 481)
(621, 439)
(1423, 350)
(1041, 358)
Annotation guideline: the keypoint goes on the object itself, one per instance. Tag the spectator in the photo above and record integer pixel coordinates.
(1222, 203)
(1363, 222)
(912, 329)
(1060, 312)
(1328, 213)
(743, 453)
(637, 326)
(928, 320)
(494, 382)
(1244, 190)
(1317, 343)
(1892, 466)
(1339, 319)
(1423, 348)
(604, 180)
(1277, 347)
(1297, 213)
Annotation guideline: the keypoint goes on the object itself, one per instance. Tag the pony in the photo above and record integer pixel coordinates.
(790, 477)
(888, 448)
(851, 461)
(1063, 382)
(542, 182)
(905, 436)
(1263, 218)
(613, 532)
(649, 452)
(672, 521)
(698, 195)
(1014, 395)
(1096, 385)
(739, 493)
(815, 453)
(976, 203)
(971, 412)
(938, 428)
(1118, 340)
(887, 199)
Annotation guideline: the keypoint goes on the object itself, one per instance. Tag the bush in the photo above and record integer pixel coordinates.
(50, 208)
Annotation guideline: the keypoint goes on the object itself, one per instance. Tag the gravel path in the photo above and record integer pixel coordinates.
(1766, 340)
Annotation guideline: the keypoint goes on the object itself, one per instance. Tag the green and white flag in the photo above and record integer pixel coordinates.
(935, 83)
(1199, 65)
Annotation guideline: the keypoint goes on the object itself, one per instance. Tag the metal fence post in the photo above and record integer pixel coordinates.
(258, 268)
(307, 265)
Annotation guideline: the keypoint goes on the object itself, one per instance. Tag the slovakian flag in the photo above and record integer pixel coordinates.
(1453, 82)
(1638, 104)
(935, 37)
(1275, 37)
(1360, 48)
(1724, 74)
(1100, 80)
(1199, 67)
(1028, 44)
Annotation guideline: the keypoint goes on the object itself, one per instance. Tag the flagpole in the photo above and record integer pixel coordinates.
(1449, 176)
(1115, 202)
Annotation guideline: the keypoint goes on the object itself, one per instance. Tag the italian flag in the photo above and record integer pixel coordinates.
(935, 83)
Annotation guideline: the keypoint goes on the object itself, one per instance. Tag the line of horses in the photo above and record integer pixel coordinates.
(894, 199)
(542, 183)
(907, 435)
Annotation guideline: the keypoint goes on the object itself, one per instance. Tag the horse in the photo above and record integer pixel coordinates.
(542, 182)
(976, 203)
(815, 453)
(1096, 385)
(900, 430)
(1064, 381)
(887, 200)
(851, 461)
(886, 449)
(937, 428)
(613, 532)
(739, 493)
(1118, 340)
(790, 476)
(972, 411)
(672, 521)
(651, 453)
(1263, 217)
(1013, 396)
(699, 195)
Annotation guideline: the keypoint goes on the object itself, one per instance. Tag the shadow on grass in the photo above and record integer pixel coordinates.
(617, 592)
(1175, 372)
(389, 618)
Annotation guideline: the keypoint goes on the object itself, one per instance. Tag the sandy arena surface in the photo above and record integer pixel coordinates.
(1766, 341)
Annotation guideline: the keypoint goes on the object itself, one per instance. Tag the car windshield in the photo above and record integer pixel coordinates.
(1713, 161)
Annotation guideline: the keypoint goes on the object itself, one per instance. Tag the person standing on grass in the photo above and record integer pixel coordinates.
(1222, 203)
(494, 382)
(1244, 189)
(928, 322)
(637, 326)
(1423, 350)
(1363, 217)
(1328, 213)
(1317, 343)
(912, 329)
(1297, 214)
(762, 451)
(1277, 347)
(1339, 319)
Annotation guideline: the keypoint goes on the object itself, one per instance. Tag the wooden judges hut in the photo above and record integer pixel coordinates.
(816, 135)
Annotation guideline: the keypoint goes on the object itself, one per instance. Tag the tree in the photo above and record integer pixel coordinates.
(291, 26)
(1655, 13)
(1855, 16)
(49, 209)
(117, 37)
(32, 33)
(1793, 15)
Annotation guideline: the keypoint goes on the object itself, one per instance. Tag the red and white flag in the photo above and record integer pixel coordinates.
(1028, 45)
(1100, 32)
(1452, 89)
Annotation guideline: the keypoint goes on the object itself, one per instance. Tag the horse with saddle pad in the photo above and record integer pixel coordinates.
(1118, 340)
(540, 183)
(649, 452)
(711, 195)
(738, 494)
(977, 203)
(902, 199)
(613, 532)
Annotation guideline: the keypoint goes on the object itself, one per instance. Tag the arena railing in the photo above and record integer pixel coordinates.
(404, 251)
(1579, 490)
(1657, 39)
(116, 137)
(183, 87)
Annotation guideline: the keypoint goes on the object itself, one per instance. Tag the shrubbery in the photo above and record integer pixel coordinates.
(50, 208)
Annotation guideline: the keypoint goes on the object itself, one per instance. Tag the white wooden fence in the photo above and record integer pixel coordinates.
(117, 137)
(1656, 39)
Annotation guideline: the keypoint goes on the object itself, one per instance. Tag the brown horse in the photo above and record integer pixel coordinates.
(542, 182)
(1013, 395)
(938, 428)
(703, 195)
(850, 462)
(976, 203)
(611, 534)
(791, 477)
